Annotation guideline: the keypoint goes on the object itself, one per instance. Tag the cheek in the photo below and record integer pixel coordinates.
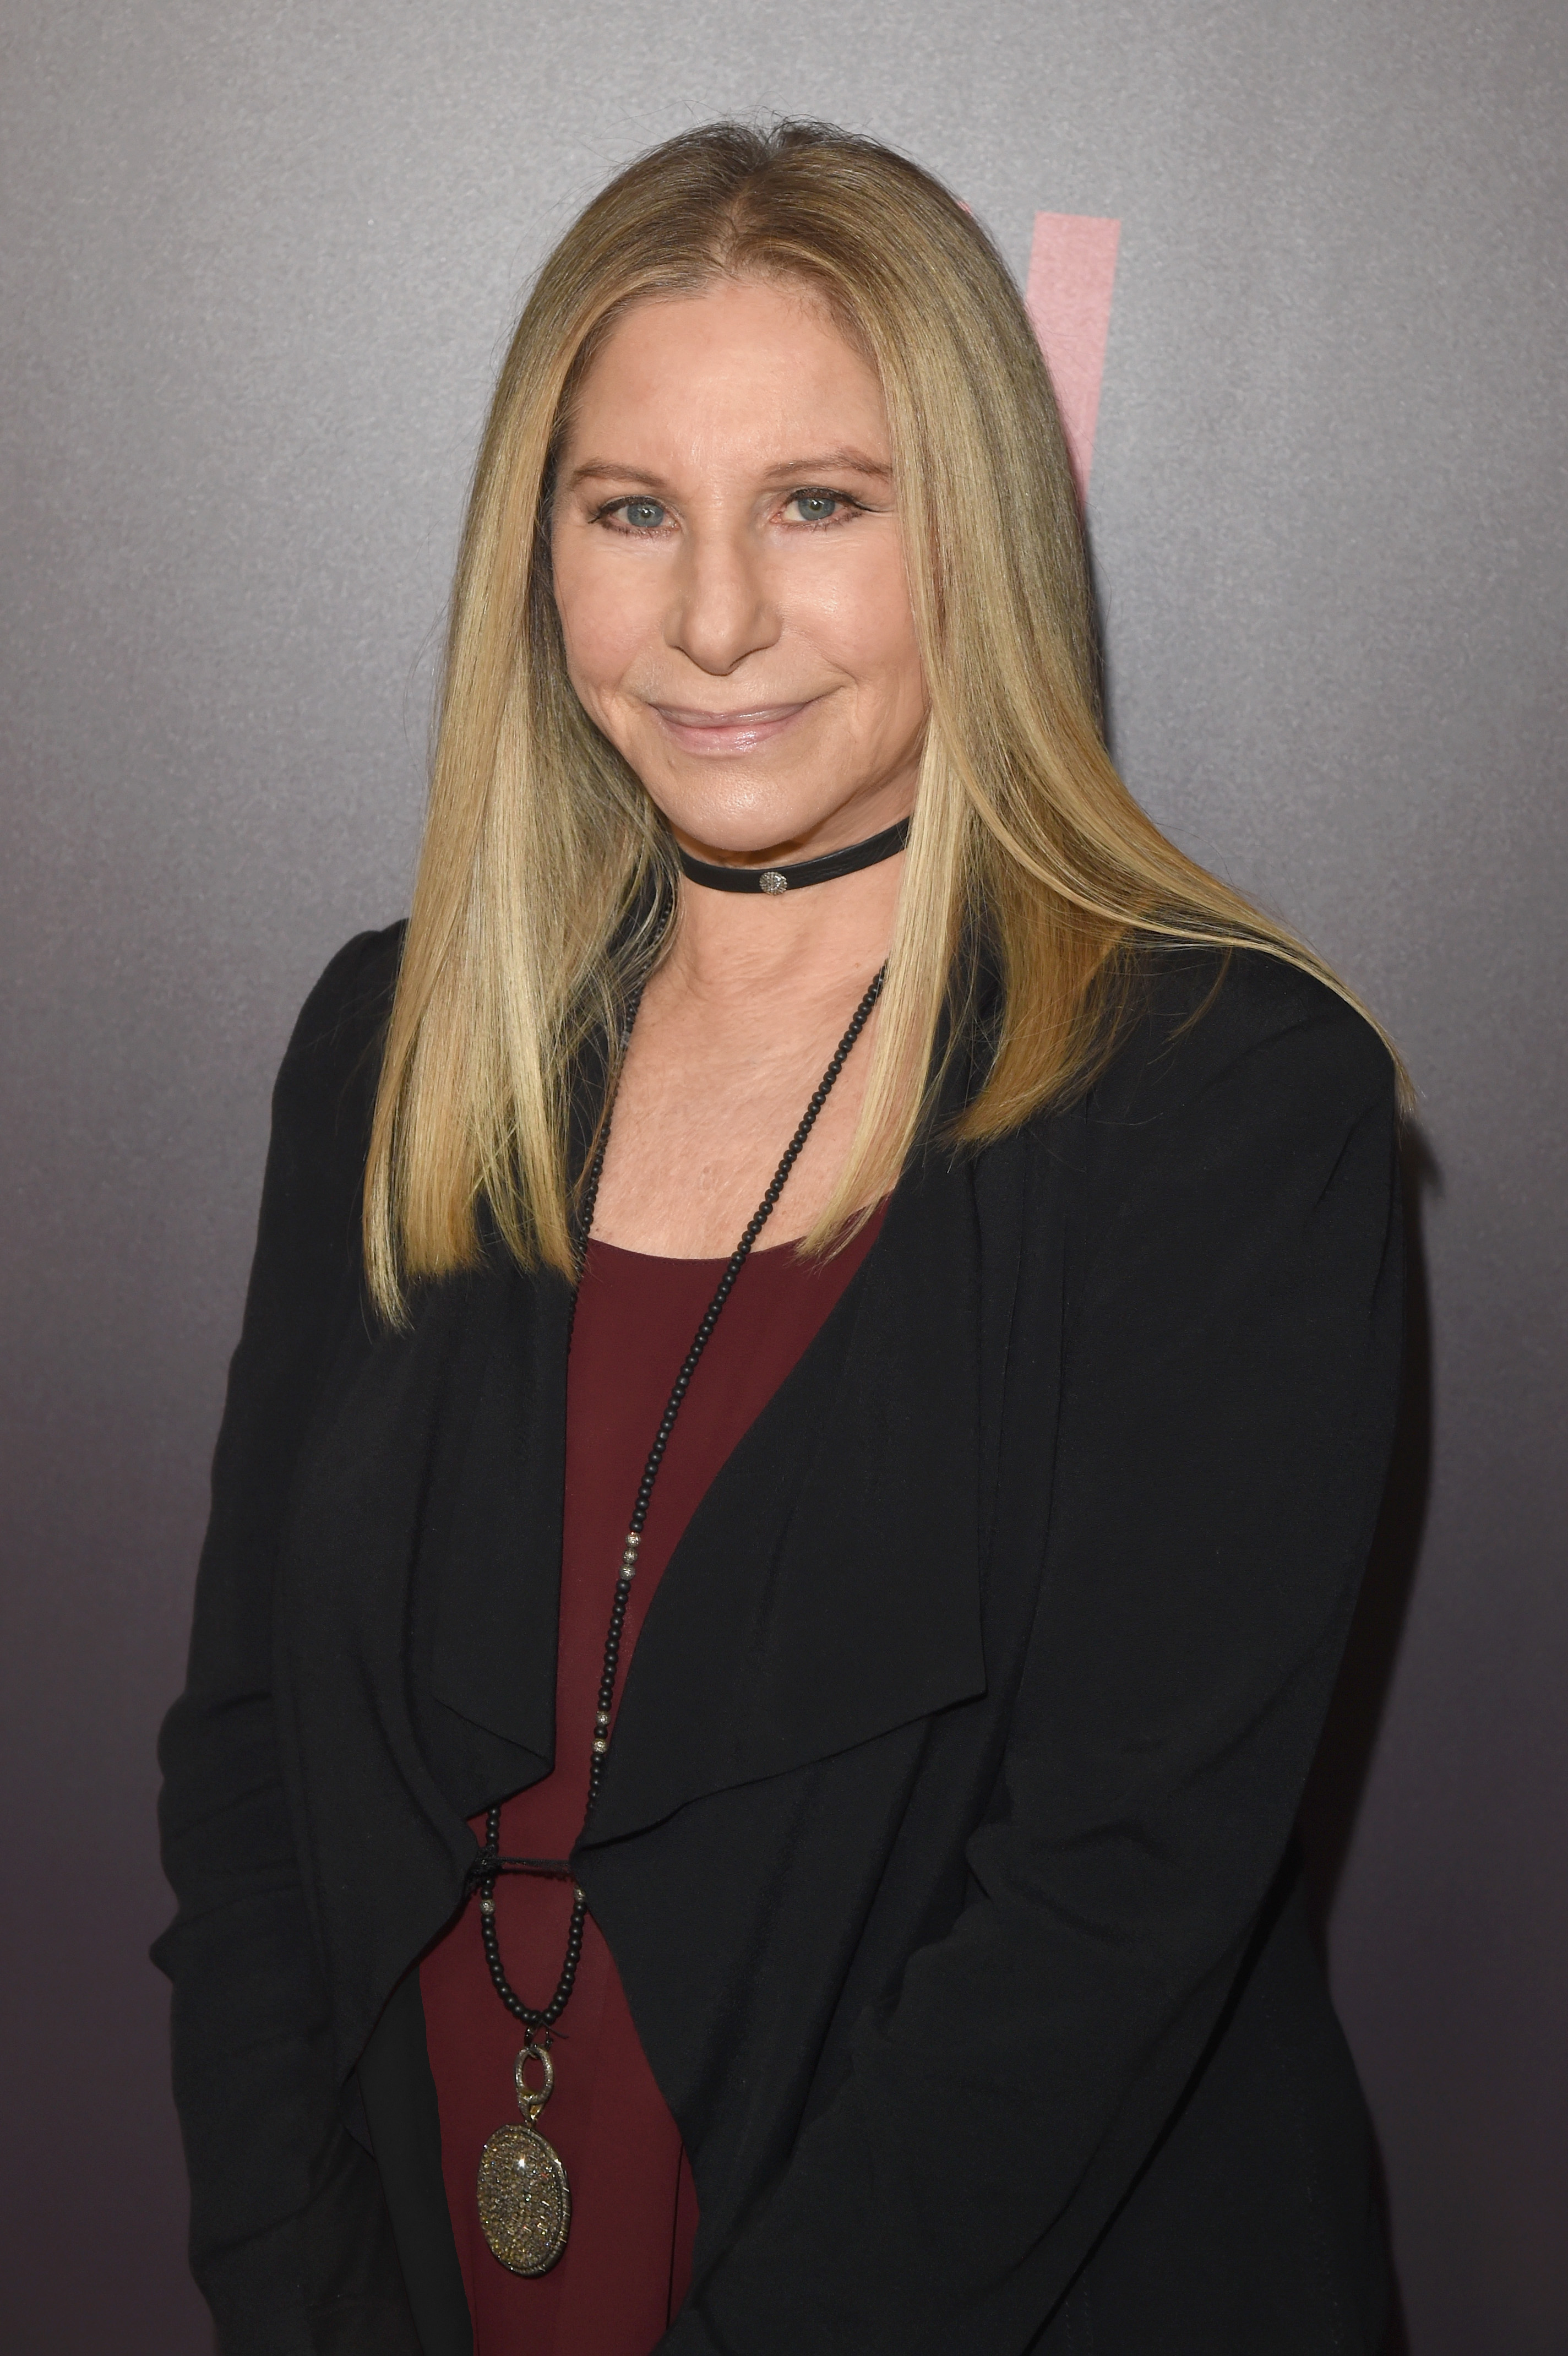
(868, 628)
(600, 620)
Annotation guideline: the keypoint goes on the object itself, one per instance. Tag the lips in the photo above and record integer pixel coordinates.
(693, 718)
(698, 730)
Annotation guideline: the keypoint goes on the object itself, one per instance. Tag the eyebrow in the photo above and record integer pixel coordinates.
(829, 461)
(825, 462)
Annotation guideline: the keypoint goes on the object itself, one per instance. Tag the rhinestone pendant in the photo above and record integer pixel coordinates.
(525, 2201)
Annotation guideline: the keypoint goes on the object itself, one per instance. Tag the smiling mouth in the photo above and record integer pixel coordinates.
(758, 716)
(708, 734)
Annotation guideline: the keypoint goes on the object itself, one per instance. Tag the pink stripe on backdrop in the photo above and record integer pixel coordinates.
(1072, 264)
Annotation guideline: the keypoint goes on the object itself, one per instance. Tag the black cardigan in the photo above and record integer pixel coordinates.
(944, 1848)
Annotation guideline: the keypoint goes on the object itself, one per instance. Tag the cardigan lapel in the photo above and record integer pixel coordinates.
(827, 1589)
(494, 1559)
(496, 1553)
(425, 1539)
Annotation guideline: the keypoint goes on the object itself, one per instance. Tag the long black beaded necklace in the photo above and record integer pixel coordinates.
(524, 2200)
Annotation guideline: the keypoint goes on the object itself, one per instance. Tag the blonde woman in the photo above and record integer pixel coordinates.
(820, 1367)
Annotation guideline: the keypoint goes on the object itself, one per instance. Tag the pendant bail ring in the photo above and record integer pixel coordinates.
(529, 2102)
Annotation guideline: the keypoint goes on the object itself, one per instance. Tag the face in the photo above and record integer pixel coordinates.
(730, 576)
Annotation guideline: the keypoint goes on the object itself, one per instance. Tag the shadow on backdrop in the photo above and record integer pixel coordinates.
(1102, 652)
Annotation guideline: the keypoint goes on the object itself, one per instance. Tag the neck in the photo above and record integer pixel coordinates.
(750, 948)
(731, 948)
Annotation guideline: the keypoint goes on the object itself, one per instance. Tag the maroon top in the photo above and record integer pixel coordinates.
(627, 2262)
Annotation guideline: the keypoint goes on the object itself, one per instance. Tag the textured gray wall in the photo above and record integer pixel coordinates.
(260, 262)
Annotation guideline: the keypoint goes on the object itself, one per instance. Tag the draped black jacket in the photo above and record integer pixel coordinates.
(944, 1848)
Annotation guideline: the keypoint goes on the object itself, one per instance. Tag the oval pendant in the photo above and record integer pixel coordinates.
(525, 2201)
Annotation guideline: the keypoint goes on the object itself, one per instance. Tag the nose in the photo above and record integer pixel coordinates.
(721, 610)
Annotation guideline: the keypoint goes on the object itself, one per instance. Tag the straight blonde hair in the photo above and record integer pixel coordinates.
(547, 872)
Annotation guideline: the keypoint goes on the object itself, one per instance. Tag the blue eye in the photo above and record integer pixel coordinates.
(643, 515)
(816, 507)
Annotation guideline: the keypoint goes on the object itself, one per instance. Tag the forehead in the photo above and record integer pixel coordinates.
(739, 368)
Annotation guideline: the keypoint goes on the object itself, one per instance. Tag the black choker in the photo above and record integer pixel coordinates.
(796, 877)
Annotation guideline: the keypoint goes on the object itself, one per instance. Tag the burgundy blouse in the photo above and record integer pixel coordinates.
(627, 2262)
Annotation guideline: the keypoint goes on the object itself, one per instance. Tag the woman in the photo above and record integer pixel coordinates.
(892, 1934)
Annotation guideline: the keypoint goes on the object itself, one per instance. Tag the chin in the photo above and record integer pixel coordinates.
(744, 821)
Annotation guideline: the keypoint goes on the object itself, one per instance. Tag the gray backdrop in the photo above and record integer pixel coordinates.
(260, 261)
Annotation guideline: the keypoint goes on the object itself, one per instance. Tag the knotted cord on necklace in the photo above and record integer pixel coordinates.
(490, 1864)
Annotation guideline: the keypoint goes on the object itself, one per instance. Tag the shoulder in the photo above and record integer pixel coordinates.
(324, 1093)
(1209, 1037)
(1241, 1092)
(1240, 1146)
(332, 1059)
(347, 1008)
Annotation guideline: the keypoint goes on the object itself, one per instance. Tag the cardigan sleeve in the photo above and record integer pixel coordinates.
(1231, 1380)
(289, 2240)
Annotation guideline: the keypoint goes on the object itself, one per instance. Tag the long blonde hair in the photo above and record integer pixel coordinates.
(546, 869)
